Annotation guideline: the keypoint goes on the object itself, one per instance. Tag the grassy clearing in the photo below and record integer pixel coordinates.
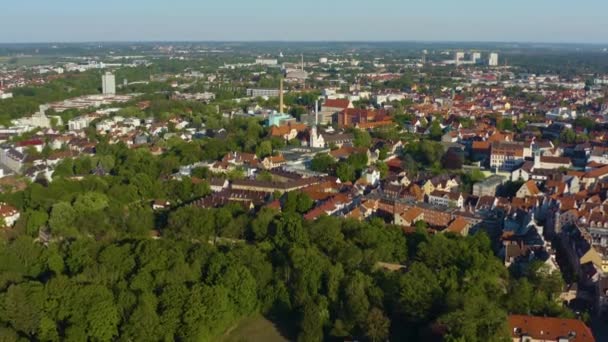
(253, 329)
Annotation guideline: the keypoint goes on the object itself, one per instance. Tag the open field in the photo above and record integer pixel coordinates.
(252, 329)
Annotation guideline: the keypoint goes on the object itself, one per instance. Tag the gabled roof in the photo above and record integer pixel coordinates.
(555, 160)
(457, 226)
(549, 329)
(411, 214)
(337, 103)
(532, 188)
(597, 172)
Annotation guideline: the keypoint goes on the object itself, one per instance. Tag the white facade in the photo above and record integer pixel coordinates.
(316, 140)
(79, 123)
(39, 119)
(446, 199)
(493, 60)
(475, 57)
(266, 61)
(505, 162)
(562, 113)
(459, 57)
(108, 83)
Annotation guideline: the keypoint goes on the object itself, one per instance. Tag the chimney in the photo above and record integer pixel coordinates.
(281, 96)
(316, 112)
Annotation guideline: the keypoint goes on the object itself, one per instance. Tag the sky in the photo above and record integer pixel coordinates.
(555, 21)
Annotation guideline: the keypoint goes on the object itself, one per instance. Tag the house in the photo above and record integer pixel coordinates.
(595, 175)
(9, 214)
(12, 159)
(446, 199)
(434, 216)
(561, 113)
(529, 188)
(218, 184)
(272, 162)
(339, 139)
(371, 176)
(549, 162)
(506, 156)
(409, 217)
(287, 132)
(488, 186)
(441, 183)
(241, 158)
(160, 204)
(459, 226)
(548, 329)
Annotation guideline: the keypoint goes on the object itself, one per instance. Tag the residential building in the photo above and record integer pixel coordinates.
(446, 199)
(562, 113)
(493, 59)
(548, 329)
(488, 186)
(506, 156)
(266, 61)
(262, 92)
(108, 83)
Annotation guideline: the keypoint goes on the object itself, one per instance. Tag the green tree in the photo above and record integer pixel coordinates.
(435, 131)
(62, 219)
(322, 162)
(264, 149)
(346, 172)
(377, 325)
(362, 139)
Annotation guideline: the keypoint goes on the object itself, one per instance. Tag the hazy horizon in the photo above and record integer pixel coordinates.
(517, 21)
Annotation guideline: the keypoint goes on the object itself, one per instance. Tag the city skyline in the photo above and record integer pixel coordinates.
(271, 20)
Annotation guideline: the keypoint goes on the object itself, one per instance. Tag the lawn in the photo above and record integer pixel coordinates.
(252, 329)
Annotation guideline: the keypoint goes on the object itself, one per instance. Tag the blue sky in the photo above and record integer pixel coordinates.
(421, 20)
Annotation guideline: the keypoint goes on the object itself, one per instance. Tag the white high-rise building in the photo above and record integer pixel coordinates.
(459, 57)
(493, 60)
(108, 83)
(476, 56)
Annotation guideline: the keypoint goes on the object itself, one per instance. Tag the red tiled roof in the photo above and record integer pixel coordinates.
(337, 103)
(411, 214)
(597, 172)
(549, 329)
(458, 225)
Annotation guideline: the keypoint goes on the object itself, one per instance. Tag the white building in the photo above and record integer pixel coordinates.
(493, 60)
(266, 61)
(562, 113)
(506, 156)
(38, 120)
(108, 83)
(476, 56)
(79, 123)
(446, 199)
(459, 57)
(316, 140)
